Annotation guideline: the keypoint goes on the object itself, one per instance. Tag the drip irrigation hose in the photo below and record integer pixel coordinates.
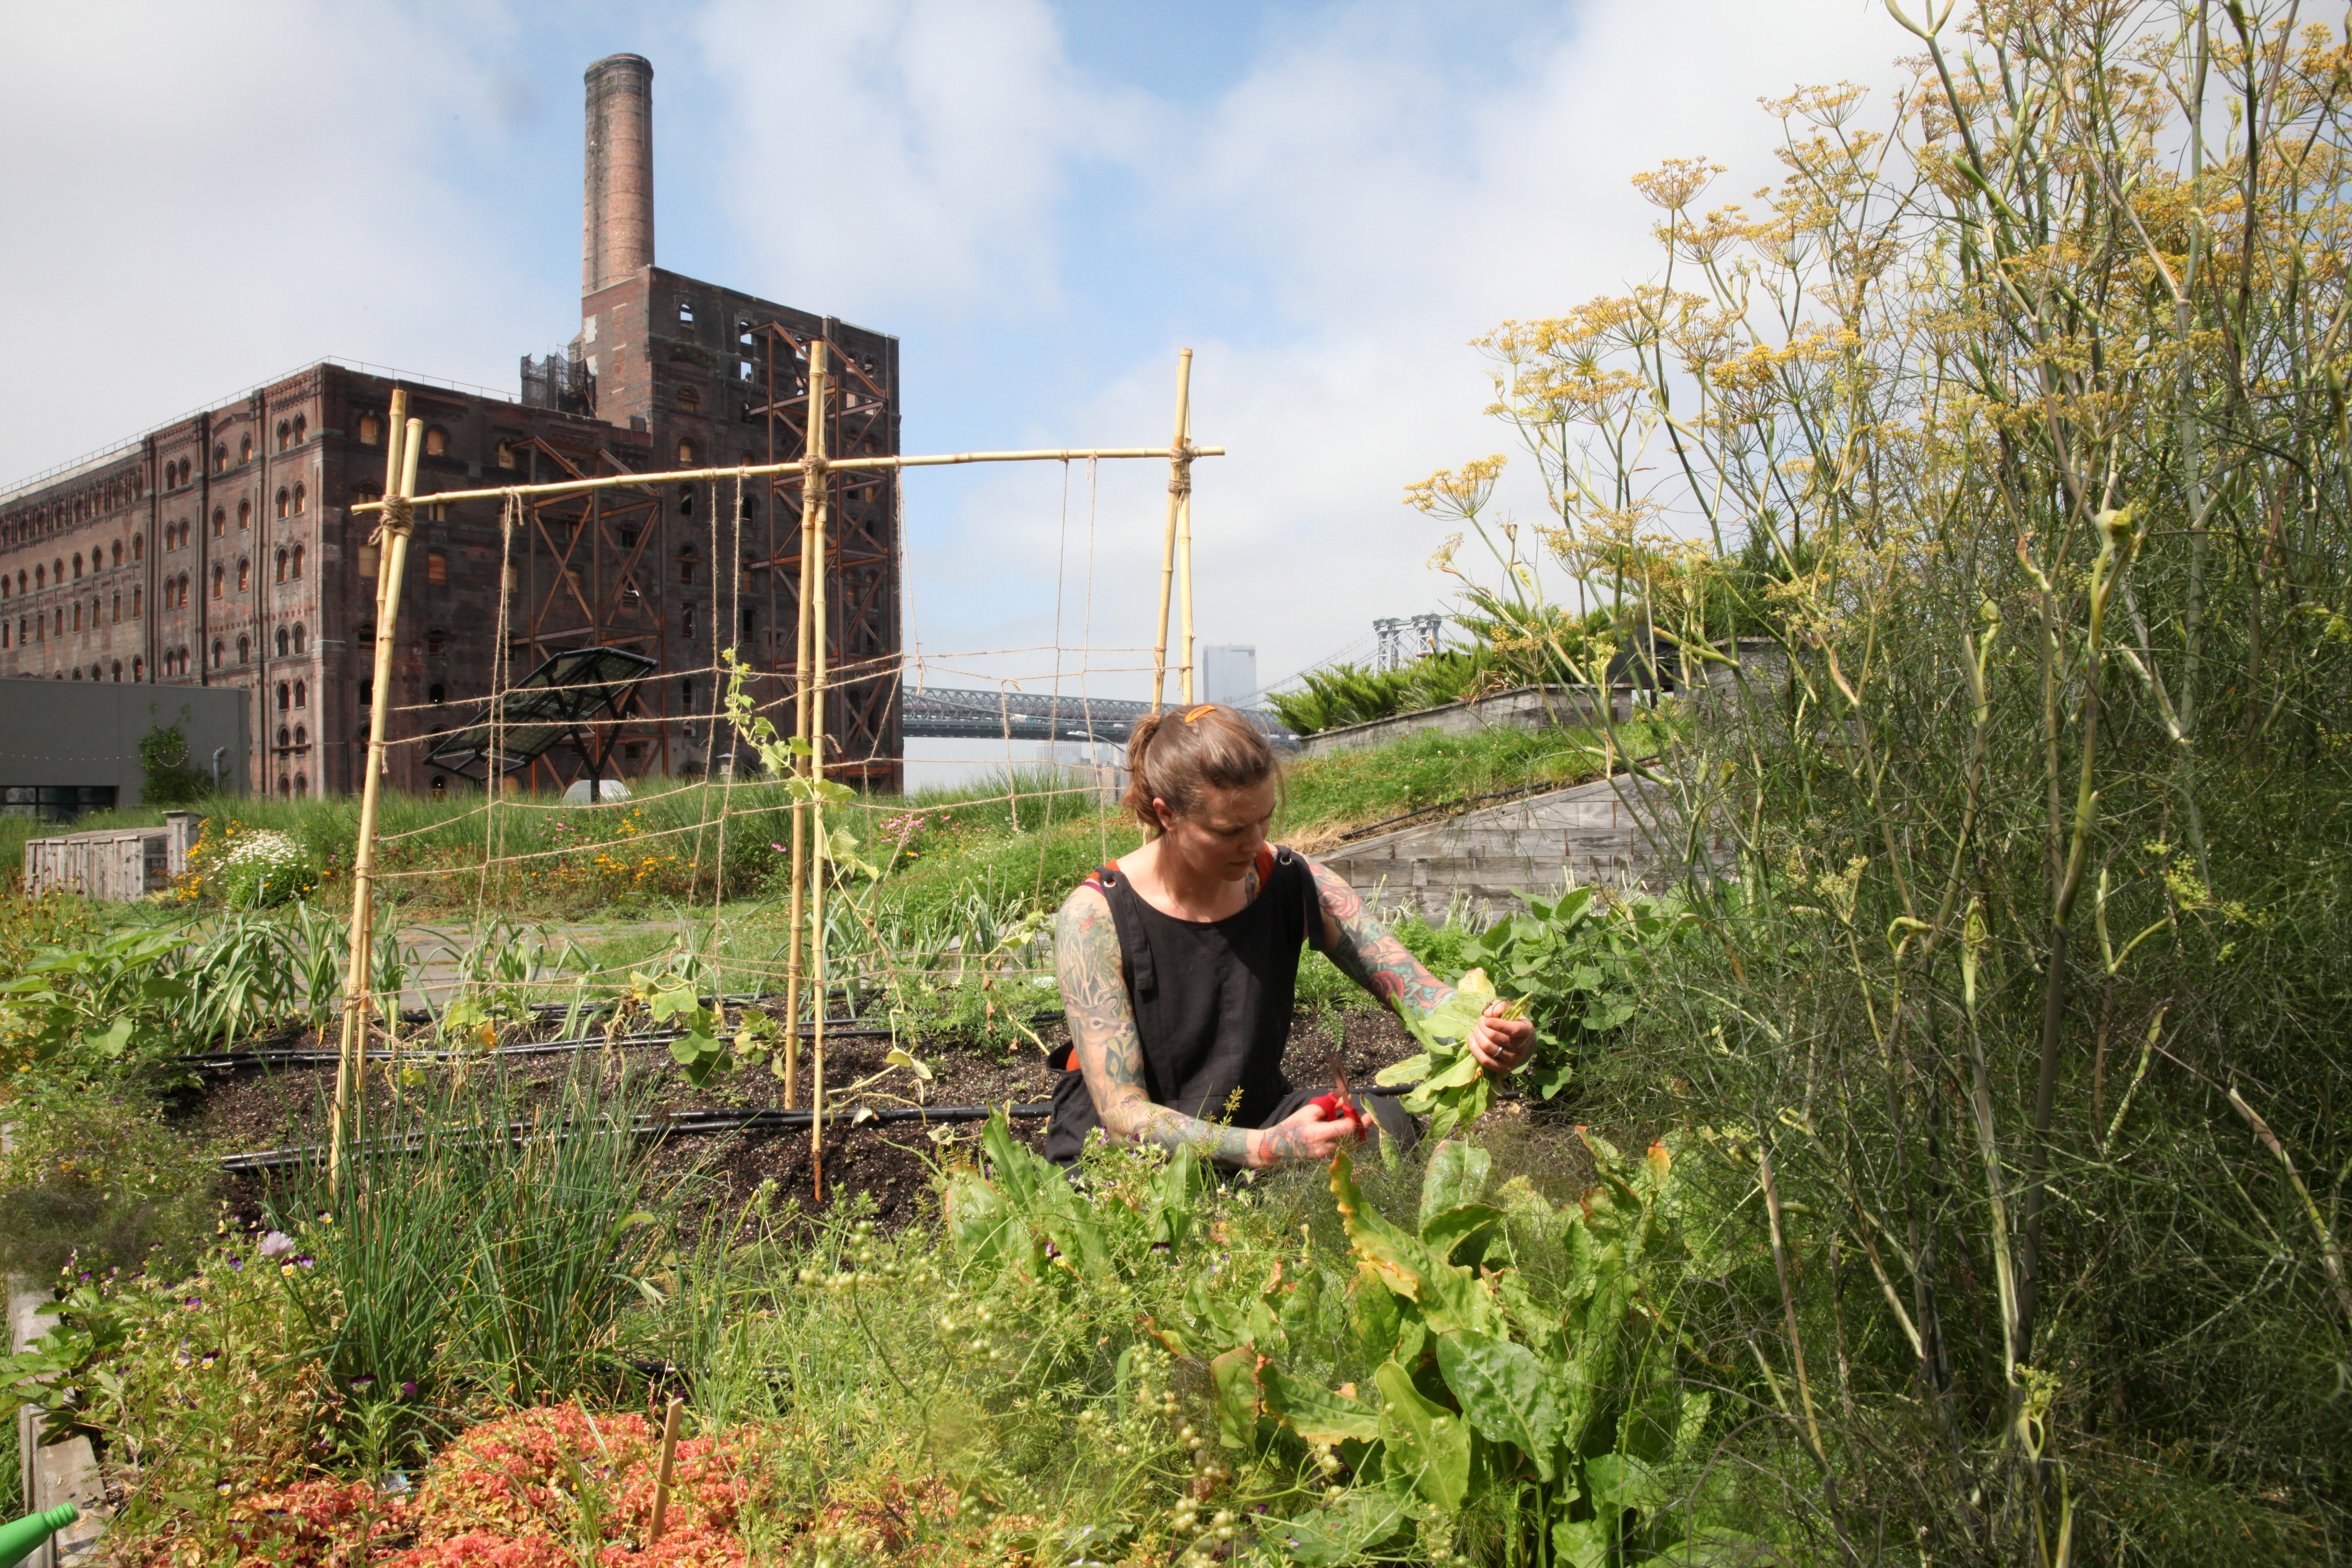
(299, 1056)
(696, 1122)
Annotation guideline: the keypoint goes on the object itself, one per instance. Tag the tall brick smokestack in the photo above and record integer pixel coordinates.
(617, 230)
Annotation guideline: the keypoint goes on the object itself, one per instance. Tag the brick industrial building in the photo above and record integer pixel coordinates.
(220, 550)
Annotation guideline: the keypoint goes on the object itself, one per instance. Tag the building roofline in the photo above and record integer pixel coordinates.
(100, 457)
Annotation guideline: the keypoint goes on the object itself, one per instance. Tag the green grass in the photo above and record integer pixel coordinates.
(1324, 795)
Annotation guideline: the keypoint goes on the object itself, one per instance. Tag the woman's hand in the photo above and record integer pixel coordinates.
(1502, 1045)
(1307, 1133)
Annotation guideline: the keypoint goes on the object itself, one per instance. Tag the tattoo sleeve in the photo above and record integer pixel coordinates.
(1366, 953)
(1109, 1051)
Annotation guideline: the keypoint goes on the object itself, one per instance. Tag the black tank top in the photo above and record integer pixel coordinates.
(1211, 1000)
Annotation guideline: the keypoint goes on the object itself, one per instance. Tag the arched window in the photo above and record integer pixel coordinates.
(220, 577)
(285, 697)
(436, 692)
(281, 574)
(77, 565)
(302, 784)
(301, 694)
(285, 435)
(117, 553)
(220, 458)
(245, 449)
(76, 615)
(371, 430)
(301, 429)
(301, 497)
(138, 547)
(283, 502)
(688, 400)
(138, 670)
(436, 566)
(117, 606)
(285, 786)
(301, 637)
(57, 570)
(297, 573)
(437, 441)
(244, 515)
(137, 596)
(301, 735)
(41, 578)
(686, 451)
(281, 642)
(245, 650)
(220, 523)
(243, 576)
(220, 654)
(285, 736)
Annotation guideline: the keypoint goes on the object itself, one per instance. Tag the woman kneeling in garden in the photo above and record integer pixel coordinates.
(1179, 963)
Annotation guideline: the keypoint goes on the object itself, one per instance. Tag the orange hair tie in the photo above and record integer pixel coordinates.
(1203, 708)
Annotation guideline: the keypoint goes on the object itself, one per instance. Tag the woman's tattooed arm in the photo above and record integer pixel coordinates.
(1368, 954)
(1111, 1052)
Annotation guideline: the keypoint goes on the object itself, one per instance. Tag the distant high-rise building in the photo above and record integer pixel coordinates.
(1229, 673)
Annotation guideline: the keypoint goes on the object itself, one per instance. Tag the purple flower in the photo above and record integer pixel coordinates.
(362, 1383)
(194, 1301)
(408, 1390)
(277, 1244)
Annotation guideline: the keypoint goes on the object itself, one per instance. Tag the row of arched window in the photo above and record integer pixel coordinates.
(10, 586)
(53, 622)
(299, 784)
(291, 433)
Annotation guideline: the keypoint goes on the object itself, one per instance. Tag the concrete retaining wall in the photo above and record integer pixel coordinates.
(1615, 832)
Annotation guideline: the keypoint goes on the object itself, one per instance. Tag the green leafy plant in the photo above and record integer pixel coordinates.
(103, 1002)
(166, 779)
(1568, 963)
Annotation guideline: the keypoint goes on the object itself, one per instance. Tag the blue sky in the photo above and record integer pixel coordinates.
(1326, 201)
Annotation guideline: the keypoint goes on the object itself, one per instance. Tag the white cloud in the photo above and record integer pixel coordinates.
(904, 151)
(1389, 201)
(199, 198)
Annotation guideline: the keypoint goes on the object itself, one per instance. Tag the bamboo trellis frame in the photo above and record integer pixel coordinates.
(806, 936)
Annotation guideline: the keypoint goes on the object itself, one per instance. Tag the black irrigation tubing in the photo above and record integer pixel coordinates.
(693, 1122)
(1546, 788)
(296, 1056)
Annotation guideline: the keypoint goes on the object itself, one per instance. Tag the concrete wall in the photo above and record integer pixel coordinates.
(1521, 708)
(77, 735)
(1615, 832)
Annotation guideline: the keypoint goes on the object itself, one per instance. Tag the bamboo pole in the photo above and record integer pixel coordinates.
(816, 540)
(1184, 569)
(667, 1470)
(926, 460)
(403, 447)
(1180, 479)
(801, 706)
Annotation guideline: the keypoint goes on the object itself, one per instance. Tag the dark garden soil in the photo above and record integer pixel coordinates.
(248, 1109)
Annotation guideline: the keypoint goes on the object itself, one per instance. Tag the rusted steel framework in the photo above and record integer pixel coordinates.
(587, 573)
(862, 719)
